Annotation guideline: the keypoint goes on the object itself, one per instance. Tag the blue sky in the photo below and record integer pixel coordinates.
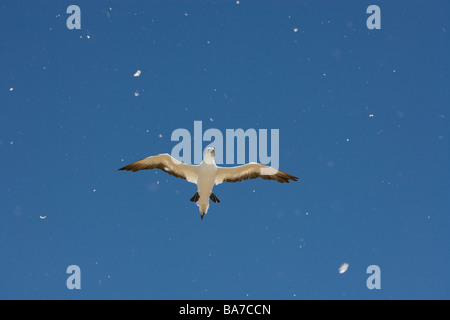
(364, 123)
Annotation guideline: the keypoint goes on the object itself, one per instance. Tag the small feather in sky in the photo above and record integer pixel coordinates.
(343, 268)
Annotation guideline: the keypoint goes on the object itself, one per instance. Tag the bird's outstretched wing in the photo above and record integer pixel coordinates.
(167, 163)
(251, 171)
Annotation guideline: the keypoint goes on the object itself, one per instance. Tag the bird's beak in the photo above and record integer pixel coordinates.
(213, 152)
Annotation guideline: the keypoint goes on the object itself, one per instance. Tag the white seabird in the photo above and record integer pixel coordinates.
(207, 174)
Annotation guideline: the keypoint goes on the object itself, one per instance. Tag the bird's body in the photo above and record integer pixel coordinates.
(206, 177)
(207, 174)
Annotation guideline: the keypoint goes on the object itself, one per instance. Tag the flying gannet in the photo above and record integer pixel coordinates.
(207, 174)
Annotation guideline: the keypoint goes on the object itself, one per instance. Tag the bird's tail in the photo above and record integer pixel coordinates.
(203, 206)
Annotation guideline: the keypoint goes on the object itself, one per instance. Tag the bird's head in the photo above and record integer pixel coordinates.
(209, 154)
